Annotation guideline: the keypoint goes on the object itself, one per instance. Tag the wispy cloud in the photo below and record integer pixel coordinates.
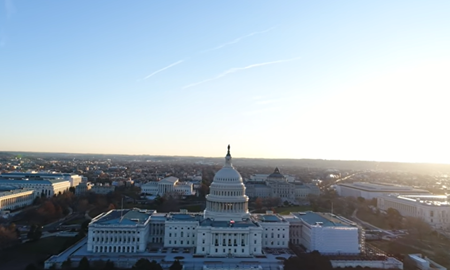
(234, 70)
(238, 39)
(164, 68)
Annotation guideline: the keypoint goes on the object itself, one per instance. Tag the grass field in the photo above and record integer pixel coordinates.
(288, 210)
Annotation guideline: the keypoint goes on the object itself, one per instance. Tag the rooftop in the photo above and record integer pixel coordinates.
(225, 224)
(15, 191)
(123, 217)
(270, 218)
(432, 200)
(324, 219)
(6, 180)
(382, 187)
(184, 216)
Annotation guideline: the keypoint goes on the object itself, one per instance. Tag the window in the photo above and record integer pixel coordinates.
(217, 250)
(242, 250)
(170, 242)
(203, 249)
(181, 241)
(170, 234)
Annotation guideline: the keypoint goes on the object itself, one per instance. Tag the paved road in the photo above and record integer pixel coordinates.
(366, 224)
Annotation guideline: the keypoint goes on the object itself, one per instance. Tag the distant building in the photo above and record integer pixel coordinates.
(420, 262)
(74, 179)
(11, 200)
(263, 178)
(433, 209)
(83, 188)
(168, 185)
(369, 191)
(277, 185)
(47, 188)
(102, 189)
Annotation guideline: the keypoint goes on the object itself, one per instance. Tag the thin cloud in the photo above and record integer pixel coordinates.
(164, 68)
(234, 70)
(238, 39)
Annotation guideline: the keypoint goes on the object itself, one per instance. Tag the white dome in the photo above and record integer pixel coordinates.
(228, 173)
(226, 199)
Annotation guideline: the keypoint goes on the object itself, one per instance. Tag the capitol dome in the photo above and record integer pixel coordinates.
(226, 199)
(228, 173)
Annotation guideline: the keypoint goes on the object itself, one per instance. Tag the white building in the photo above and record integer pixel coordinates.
(47, 188)
(74, 179)
(168, 185)
(420, 262)
(276, 185)
(119, 231)
(371, 190)
(83, 188)
(325, 232)
(10, 200)
(225, 229)
(263, 178)
(433, 209)
(102, 189)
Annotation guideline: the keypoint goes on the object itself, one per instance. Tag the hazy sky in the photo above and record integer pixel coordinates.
(364, 80)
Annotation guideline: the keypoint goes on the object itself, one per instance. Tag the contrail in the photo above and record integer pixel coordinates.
(233, 70)
(164, 68)
(238, 39)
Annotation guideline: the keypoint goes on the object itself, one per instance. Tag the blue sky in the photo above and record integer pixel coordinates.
(361, 80)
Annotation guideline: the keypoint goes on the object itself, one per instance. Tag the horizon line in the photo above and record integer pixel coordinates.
(322, 159)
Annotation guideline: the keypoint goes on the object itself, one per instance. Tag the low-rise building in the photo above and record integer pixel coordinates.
(74, 179)
(46, 188)
(420, 262)
(369, 191)
(433, 209)
(17, 198)
(325, 232)
(119, 231)
(276, 185)
(102, 189)
(168, 185)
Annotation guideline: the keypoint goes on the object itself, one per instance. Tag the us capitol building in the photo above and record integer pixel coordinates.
(224, 230)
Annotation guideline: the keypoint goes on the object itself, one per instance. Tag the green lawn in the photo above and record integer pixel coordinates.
(289, 209)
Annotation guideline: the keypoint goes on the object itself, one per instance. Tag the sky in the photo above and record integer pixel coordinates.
(349, 80)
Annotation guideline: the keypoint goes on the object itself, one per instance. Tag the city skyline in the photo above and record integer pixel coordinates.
(325, 80)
